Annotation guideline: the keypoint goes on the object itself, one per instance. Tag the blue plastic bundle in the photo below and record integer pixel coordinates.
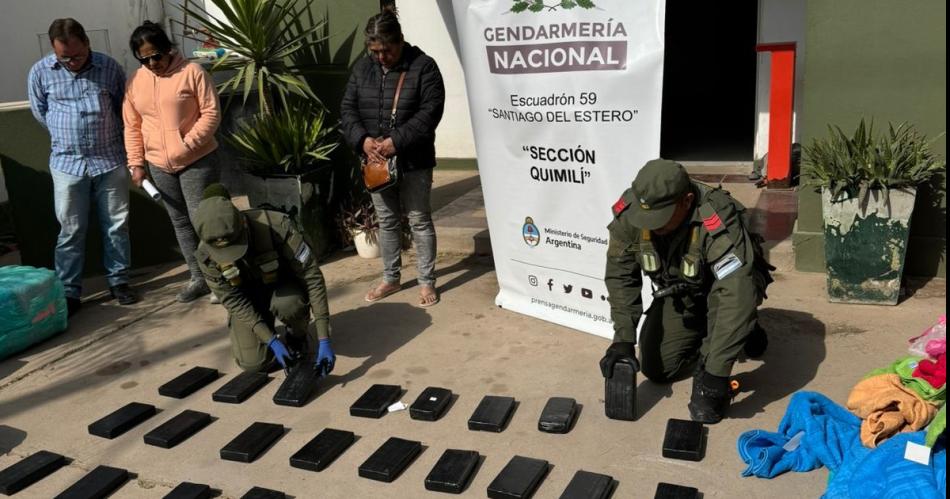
(32, 307)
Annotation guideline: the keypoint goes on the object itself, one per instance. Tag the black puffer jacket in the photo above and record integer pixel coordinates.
(369, 99)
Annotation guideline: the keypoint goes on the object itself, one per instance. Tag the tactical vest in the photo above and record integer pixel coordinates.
(693, 270)
(264, 259)
(691, 266)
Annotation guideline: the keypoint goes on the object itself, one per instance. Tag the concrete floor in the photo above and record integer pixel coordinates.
(113, 355)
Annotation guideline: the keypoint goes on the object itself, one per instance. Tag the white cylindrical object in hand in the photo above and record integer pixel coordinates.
(151, 190)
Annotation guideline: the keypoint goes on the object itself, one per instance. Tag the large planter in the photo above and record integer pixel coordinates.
(304, 197)
(366, 242)
(865, 246)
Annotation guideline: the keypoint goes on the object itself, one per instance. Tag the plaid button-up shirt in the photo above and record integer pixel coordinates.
(82, 112)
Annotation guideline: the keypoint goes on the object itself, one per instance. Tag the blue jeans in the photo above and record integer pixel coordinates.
(73, 197)
(410, 196)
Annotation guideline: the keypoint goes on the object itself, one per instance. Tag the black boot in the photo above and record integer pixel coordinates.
(72, 306)
(123, 294)
(710, 399)
(756, 343)
(196, 288)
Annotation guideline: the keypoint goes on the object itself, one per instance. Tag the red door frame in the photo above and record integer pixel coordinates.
(781, 101)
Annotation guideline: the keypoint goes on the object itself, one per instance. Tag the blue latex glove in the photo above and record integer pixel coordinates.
(325, 357)
(281, 353)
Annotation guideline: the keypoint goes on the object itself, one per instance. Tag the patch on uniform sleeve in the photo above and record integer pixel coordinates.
(619, 206)
(712, 222)
(726, 266)
(302, 254)
(711, 219)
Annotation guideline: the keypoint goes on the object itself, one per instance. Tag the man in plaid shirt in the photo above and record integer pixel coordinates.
(76, 94)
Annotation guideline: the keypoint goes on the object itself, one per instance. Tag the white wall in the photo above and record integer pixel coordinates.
(424, 26)
(23, 21)
(779, 21)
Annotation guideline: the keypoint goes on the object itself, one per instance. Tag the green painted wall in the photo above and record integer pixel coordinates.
(884, 60)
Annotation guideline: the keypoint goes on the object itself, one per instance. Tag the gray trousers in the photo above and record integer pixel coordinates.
(412, 197)
(181, 193)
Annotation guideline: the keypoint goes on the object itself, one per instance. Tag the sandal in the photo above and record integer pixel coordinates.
(375, 294)
(426, 293)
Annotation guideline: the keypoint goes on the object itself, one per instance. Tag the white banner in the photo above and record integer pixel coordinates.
(565, 99)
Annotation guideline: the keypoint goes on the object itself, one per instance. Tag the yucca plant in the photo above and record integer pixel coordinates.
(289, 140)
(857, 164)
(261, 37)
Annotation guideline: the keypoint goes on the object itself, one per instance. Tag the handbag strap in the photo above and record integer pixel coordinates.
(392, 115)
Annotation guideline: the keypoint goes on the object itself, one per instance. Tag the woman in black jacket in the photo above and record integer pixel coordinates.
(367, 127)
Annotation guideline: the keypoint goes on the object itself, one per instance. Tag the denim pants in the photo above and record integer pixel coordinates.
(181, 194)
(72, 198)
(410, 196)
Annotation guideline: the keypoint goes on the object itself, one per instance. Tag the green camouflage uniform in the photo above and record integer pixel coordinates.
(278, 277)
(706, 318)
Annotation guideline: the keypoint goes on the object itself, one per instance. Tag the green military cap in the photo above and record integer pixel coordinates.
(220, 225)
(658, 187)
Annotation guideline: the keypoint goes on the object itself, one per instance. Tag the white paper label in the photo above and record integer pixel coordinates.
(398, 406)
(794, 442)
(917, 453)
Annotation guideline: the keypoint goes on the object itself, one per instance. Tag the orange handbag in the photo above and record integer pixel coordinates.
(382, 174)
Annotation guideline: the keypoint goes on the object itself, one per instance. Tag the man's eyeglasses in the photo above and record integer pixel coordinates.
(68, 60)
(157, 57)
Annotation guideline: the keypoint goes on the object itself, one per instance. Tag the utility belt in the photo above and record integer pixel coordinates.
(685, 288)
(677, 289)
(689, 294)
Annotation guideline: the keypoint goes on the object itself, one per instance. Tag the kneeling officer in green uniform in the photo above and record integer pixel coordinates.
(709, 276)
(259, 265)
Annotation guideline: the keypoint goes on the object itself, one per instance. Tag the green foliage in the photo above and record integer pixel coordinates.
(358, 213)
(520, 7)
(539, 5)
(858, 163)
(289, 140)
(261, 38)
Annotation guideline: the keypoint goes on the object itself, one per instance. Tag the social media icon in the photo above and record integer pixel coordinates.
(586, 293)
(568, 288)
(533, 280)
(550, 284)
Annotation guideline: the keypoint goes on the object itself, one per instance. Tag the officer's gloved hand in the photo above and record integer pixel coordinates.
(281, 352)
(325, 357)
(621, 351)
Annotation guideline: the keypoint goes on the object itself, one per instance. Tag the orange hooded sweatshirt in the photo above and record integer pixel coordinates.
(170, 119)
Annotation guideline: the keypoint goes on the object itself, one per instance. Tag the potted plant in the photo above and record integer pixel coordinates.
(285, 143)
(288, 155)
(260, 38)
(360, 226)
(868, 188)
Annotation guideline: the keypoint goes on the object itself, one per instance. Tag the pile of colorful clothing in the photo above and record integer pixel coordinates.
(890, 444)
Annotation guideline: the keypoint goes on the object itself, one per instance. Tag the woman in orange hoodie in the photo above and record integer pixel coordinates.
(171, 112)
